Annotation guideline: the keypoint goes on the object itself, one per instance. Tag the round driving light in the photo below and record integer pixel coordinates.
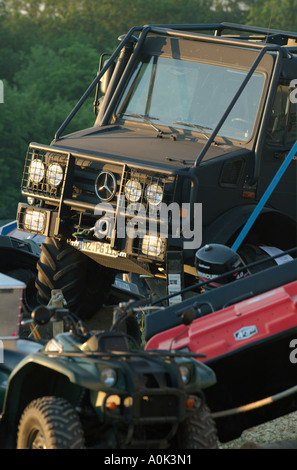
(133, 190)
(54, 174)
(154, 194)
(109, 377)
(36, 171)
(185, 374)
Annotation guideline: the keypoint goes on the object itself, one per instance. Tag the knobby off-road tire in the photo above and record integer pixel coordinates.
(198, 431)
(27, 276)
(50, 423)
(84, 283)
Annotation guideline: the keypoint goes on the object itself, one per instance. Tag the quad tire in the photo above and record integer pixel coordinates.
(50, 423)
(85, 284)
(198, 431)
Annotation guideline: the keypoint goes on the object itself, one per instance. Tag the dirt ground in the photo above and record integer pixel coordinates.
(277, 434)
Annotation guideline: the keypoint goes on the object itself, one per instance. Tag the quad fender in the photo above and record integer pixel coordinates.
(204, 375)
(38, 375)
(271, 227)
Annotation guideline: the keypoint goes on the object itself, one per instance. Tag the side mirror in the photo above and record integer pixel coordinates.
(105, 79)
(188, 316)
(42, 314)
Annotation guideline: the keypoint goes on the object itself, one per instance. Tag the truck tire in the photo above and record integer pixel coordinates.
(50, 423)
(84, 284)
(27, 276)
(198, 431)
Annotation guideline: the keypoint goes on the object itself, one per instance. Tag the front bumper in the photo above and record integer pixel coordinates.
(137, 415)
(69, 210)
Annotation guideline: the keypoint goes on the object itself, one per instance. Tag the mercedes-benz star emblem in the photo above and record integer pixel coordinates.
(105, 186)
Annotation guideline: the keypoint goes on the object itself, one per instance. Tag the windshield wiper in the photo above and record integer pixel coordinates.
(146, 119)
(197, 126)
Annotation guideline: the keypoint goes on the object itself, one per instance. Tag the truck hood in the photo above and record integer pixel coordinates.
(140, 144)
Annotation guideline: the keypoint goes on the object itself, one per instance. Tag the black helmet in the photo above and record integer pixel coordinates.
(213, 260)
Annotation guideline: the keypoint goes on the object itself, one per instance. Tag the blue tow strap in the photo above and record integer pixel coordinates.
(265, 197)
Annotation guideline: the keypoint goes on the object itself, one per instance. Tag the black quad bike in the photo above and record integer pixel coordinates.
(85, 389)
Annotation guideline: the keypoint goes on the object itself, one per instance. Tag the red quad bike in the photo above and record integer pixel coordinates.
(248, 331)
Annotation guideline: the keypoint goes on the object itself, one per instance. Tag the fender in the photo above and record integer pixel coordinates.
(34, 368)
(225, 229)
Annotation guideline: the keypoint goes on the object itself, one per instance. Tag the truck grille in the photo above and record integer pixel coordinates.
(87, 177)
(81, 183)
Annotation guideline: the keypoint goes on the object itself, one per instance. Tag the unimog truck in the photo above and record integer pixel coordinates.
(192, 123)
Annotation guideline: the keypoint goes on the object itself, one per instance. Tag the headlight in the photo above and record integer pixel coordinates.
(54, 174)
(154, 194)
(151, 245)
(54, 346)
(34, 221)
(185, 374)
(133, 190)
(109, 377)
(36, 171)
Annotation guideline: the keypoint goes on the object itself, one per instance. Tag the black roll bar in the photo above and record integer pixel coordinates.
(187, 32)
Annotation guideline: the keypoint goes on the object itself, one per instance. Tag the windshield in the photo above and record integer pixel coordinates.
(192, 95)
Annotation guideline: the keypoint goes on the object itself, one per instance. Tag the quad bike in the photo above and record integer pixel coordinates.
(85, 389)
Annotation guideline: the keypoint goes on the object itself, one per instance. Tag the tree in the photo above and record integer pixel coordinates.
(51, 54)
(274, 14)
(43, 93)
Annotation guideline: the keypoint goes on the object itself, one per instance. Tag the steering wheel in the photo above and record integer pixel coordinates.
(241, 120)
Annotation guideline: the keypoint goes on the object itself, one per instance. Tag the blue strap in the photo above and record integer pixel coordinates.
(265, 197)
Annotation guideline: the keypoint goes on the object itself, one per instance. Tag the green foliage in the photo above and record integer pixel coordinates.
(275, 14)
(49, 54)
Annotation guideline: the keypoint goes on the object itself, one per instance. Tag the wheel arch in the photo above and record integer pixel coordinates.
(272, 227)
(34, 380)
(11, 258)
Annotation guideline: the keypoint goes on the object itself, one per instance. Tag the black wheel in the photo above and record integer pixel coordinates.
(198, 431)
(253, 253)
(85, 284)
(50, 423)
(27, 276)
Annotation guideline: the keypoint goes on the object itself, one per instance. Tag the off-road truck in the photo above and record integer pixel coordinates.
(195, 119)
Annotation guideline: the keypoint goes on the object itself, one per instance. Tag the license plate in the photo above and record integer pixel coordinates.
(98, 248)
